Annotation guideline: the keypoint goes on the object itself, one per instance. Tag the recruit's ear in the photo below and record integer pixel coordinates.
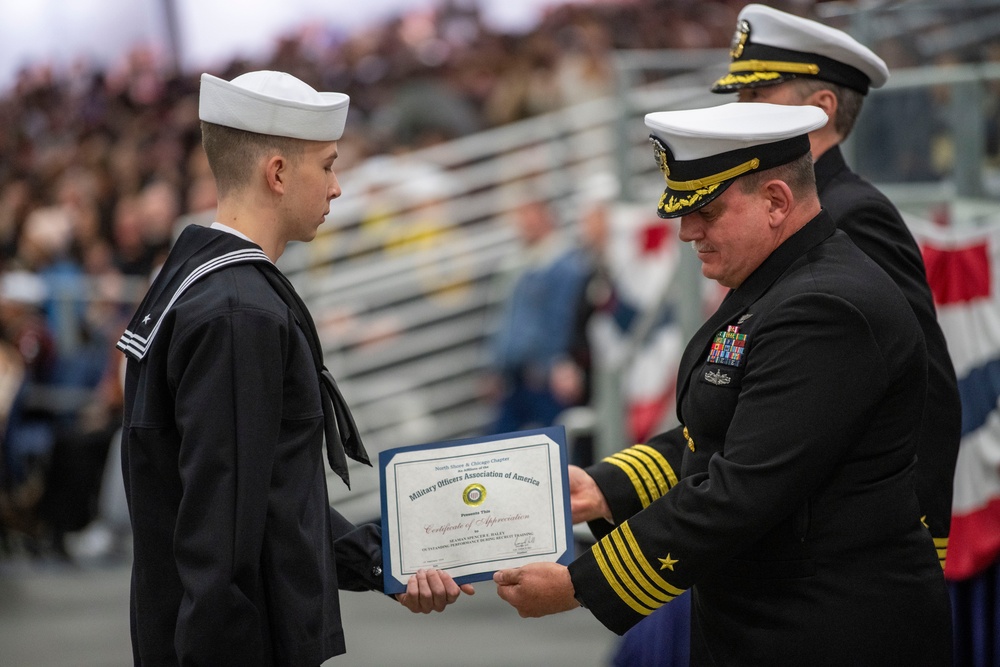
(276, 173)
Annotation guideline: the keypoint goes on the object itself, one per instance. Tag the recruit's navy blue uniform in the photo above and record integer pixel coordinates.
(238, 555)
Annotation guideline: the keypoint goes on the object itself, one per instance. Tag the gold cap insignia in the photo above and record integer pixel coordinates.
(740, 38)
(660, 153)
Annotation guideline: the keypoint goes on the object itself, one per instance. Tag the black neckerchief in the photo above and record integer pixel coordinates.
(342, 436)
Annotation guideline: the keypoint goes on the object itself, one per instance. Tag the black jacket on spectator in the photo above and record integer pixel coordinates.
(876, 227)
(786, 501)
(238, 555)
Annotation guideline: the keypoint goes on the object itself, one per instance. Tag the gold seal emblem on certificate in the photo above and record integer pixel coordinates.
(474, 495)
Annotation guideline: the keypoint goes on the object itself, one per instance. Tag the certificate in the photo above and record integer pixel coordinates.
(475, 506)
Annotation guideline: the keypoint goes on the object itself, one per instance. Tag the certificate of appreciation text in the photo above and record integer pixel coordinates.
(475, 506)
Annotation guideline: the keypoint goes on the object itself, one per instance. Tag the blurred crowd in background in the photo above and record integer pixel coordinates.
(99, 168)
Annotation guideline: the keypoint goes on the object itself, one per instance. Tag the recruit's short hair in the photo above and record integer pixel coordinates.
(232, 154)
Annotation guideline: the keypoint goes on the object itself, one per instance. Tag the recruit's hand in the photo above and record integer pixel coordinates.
(586, 500)
(537, 589)
(431, 590)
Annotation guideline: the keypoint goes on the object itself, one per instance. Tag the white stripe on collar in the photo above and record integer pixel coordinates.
(135, 345)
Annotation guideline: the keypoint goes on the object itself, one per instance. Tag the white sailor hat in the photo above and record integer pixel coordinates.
(770, 46)
(702, 151)
(274, 103)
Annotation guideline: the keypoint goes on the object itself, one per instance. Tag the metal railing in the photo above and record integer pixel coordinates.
(402, 278)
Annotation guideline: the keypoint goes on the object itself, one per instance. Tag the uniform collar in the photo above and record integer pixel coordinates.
(828, 166)
(737, 301)
(226, 228)
(812, 234)
(198, 252)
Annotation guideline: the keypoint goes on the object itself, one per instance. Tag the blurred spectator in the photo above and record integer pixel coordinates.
(573, 375)
(991, 55)
(159, 208)
(27, 358)
(132, 256)
(44, 249)
(583, 71)
(535, 327)
(891, 151)
(527, 85)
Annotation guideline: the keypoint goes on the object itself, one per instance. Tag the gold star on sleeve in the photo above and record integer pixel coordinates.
(667, 563)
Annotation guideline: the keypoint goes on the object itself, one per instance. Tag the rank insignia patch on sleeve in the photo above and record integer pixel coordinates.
(667, 563)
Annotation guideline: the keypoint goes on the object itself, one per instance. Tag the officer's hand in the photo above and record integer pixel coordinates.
(431, 590)
(537, 589)
(586, 500)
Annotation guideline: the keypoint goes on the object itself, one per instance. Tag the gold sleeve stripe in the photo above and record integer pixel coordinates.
(633, 546)
(636, 571)
(618, 567)
(941, 544)
(615, 586)
(662, 462)
(640, 488)
(647, 467)
(651, 475)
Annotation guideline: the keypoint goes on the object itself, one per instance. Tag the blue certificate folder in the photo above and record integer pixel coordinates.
(474, 495)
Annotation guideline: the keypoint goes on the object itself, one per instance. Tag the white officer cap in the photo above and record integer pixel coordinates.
(702, 151)
(770, 46)
(273, 103)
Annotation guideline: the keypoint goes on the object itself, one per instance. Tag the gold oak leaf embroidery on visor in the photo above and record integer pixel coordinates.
(677, 203)
(754, 77)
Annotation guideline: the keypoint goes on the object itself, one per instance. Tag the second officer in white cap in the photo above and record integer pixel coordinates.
(785, 500)
(784, 59)
(238, 556)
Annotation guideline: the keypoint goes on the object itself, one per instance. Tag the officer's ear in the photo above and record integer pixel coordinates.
(779, 201)
(825, 100)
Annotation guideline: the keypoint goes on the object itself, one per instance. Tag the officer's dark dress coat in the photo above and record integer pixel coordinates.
(786, 501)
(876, 227)
(238, 555)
